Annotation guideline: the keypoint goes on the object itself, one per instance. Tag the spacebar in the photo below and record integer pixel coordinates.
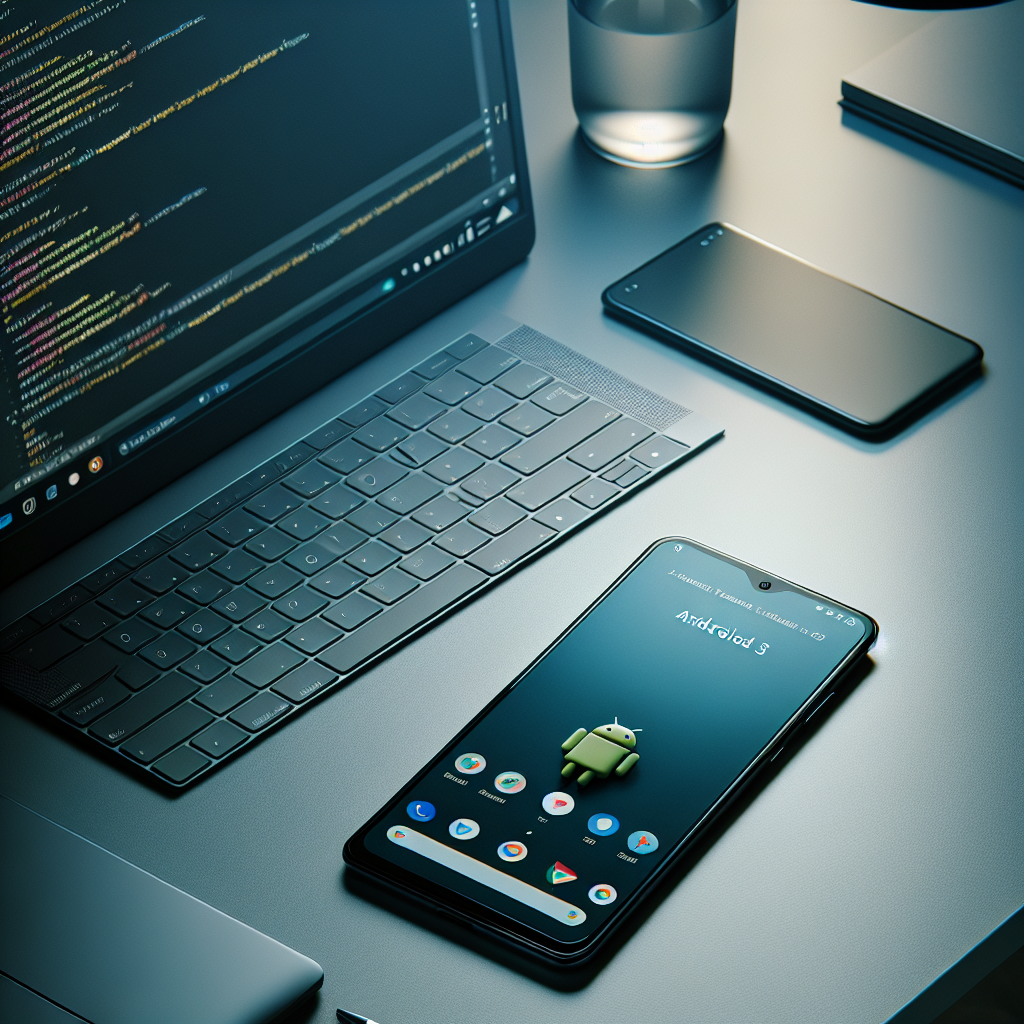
(395, 622)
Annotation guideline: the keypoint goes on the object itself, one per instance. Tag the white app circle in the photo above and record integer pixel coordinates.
(464, 828)
(558, 803)
(470, 764)
(602, 894)
(510, 782)
(512, 851)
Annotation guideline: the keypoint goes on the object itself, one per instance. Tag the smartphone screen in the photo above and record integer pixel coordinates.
(787, 326)
(549, 814)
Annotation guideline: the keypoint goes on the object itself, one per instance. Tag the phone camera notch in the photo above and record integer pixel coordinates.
(765, 585)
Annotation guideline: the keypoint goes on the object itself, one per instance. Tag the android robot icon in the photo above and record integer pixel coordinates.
(599, 752)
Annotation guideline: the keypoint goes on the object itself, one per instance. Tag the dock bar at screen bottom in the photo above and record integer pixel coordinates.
(410, 839)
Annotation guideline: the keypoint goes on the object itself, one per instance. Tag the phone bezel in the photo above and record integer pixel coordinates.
(521, 936)
(880, 430)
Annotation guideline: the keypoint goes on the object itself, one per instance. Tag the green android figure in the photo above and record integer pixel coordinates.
(605, 749)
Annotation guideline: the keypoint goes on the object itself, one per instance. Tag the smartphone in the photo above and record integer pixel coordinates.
(778, 322)
(548, 819)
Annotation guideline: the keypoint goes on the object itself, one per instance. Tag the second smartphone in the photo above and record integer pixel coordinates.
(552, 814)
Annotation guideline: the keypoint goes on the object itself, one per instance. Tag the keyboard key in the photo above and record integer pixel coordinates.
(236, 528)
(336, 581)
(203, 667)
(507, 550)
(558, 438)
(376, 476)
(161, 736)
(292, 457)
(274, 581)
(327, 435)
(407, 496)
(267, 625)
(659, 452)
(313, 636)
(454, 426)
(204, 588)
(390, 586)
(559, 398)
(337, 501)
(272, 503)
(372, 519)
(407, 384)
(125, 599)
(237, 566)
(372, 557)
(363, 412)
(137, 674)
(417, 608)
(488, 364)
(460, 540)
(346, 457)
(89, 621)
(406, 536)
(236, 646)
(466, 346)
(453, 465)
(488, 404)
(339, 540)
(493, 440)
(181, 764)
(301, 684)
(416, 412)
(259, 712)
(152, 702)
(635, 474)
(353, 611)
(92, 663)
(303, 524)
(102, 578)
(497, 516)
(271, 545)
(181, 528)
(220, 739)
(311, 558)
(420, 448)
(300, 604)
(238, 605)
(98, 702)
(619, 469)
(143, 552)
(161, 576)
(452, 388)
(60, 606)
(490, 481)
(595, 493)
(380, 434)
(436, 365)
(523, 380)
(268, 665)
(562, 515)
(311, 479)
(231, 495)
(442, 513)
(428, 562)
(203, 626)
(527, 419)
(609, 443)
(198, 552)
(131, 635)
(166, 651)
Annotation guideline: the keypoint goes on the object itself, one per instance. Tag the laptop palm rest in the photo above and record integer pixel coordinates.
(113, 944)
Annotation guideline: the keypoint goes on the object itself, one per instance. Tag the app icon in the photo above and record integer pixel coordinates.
(28, 506)
(642, 842)
(603, 824)
(602, 893)
(606, 749)
(559, 873)
(510, 782)
(397, 833)
(464, 828)
(73, 479)
(558, 803)
(512, 851)
(5, 520)
(51, 492)
(421, 810)
(470, 764)
(95, 464)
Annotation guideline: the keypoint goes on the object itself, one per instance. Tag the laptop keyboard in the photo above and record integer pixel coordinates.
(191, 645)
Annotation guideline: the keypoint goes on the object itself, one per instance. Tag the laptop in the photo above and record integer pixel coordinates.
(206, 215)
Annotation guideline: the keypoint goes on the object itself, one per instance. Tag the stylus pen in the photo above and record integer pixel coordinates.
(348, 1017)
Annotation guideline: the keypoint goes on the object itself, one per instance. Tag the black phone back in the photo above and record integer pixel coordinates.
(766, 316)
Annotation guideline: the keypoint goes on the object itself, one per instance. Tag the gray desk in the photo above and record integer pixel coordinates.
(894, 840)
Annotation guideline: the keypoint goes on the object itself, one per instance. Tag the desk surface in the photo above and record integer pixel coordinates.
(894, 839)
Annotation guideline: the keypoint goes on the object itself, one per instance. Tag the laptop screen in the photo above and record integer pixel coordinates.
(194, 195)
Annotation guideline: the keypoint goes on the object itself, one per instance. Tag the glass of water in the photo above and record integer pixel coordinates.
(651, 79)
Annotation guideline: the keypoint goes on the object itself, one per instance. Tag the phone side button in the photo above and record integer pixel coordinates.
(818, 708)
